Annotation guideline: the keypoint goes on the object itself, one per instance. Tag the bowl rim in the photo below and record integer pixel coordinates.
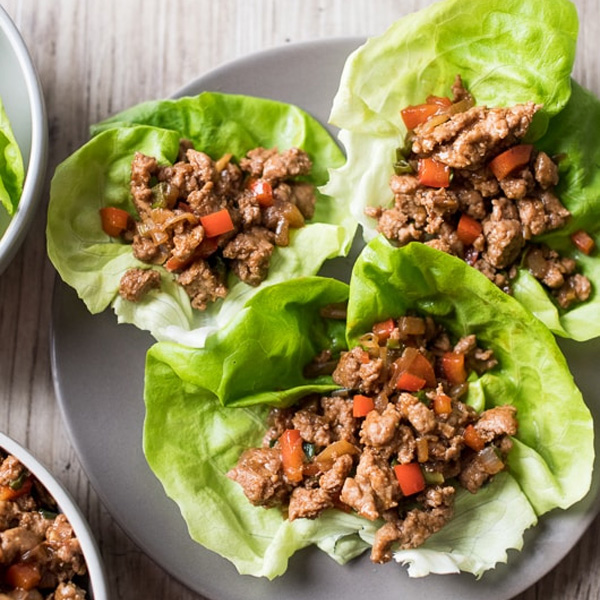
(67, 504)
(12, 238)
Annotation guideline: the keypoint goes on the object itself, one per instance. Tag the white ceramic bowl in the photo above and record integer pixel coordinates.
(97, 578)
(23, 100)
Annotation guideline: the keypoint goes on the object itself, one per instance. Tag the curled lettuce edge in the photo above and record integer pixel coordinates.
(97, 174)
(193, 435)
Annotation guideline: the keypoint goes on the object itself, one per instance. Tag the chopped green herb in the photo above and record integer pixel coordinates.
(17, 484)
(309, 449)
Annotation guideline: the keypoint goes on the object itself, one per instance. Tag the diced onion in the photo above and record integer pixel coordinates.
(422, 450)
(222, 162)
(336, 310)
(411, 325)
(327, 457)
(489, 460)
(159, 236)
(178, 218)
(369, 341)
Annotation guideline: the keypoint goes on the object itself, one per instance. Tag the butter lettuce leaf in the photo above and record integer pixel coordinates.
(200, 441)
(98, 173)
(259, 357)
(506, 52)
(12, 170)
(553, 456)
(200, 415)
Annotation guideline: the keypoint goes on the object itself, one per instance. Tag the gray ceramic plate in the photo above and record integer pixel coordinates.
(99, 367)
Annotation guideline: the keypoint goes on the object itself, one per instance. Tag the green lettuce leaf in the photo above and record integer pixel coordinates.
(198, 423)
(553, 457)
(507, 52)
(191, 441)
(12, 170)
(97, 175)
(259, 357)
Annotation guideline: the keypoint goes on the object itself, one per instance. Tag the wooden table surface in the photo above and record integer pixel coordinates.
(95, 58)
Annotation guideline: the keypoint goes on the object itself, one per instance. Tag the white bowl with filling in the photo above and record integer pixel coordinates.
(91, 579)
(23, 100)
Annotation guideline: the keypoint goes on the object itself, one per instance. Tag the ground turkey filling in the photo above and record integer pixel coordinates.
(202, 218)
(485, 212)
(391, 444)
(40, 558)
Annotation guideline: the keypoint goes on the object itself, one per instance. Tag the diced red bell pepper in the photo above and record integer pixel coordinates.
(262, 190)
(292, 455)
(114, 220)
(384, 329)
(410, 478)
(409, 382)
(217, 223)
(415, 371)
(468, 229)
(416, 115)
(176, 264)
(513, 158)
(453, 367)
(22, 575)
(583, 241)
(362, 406)
(473, 439)
(433, 173)
(422, 368)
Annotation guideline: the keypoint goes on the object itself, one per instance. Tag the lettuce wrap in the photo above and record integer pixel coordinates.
(98, 174)
(507, 52)
(203, 410)
(12, 170)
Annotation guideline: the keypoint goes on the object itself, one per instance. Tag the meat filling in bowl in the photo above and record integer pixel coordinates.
(202, 218)
(392, 444)
(40, 557)
(467, 185)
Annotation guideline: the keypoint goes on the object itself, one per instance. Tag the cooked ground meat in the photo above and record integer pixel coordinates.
(250, 255)
(255, 204)
(36, 540)
(354, 458)
(470, 138)
(203, 284)
(136, 283)
(509, 207)
(260, 472)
